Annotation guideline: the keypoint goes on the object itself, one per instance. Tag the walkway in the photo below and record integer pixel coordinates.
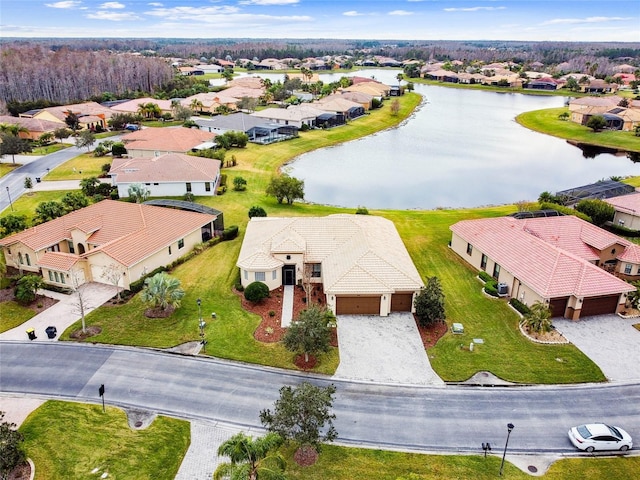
(287, 306)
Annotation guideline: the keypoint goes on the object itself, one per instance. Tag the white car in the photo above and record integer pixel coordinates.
(599, 436)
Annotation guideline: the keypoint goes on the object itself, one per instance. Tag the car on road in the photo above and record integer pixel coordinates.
(599, 436)
(131, 127)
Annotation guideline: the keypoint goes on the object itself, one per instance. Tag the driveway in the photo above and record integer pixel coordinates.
(63, 313)
(609, 341)
(383, 350)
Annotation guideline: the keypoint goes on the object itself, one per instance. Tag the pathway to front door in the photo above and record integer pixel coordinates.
(287, 306)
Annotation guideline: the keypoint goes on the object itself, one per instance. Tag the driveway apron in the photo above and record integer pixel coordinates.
(383, 350)
(609, 341)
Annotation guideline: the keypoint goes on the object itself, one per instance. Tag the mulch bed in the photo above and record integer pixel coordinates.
(21, 472)
(40, 304)
(90, 331)
(430, 335)
(306, 456)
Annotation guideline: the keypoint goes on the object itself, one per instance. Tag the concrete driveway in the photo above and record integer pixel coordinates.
(609, 341)
(383, 350)
(63, 313)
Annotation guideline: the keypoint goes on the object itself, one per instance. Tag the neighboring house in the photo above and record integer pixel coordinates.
(189, 71)
(209, 102)
(234, 122)
(83, 245)
(373, 88)
(91, 115)
(364, 99)
(153, 142)
(545, 83)
(359, 261)
(598, 86)
(341, 106)
(564, 262)
(35, 127)
(627, 209)
(133, 106)
(295, 115)
(617, 117)
(169, 175)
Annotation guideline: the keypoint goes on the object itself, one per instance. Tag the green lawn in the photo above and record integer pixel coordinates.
(547, 121)
(70, 440)
(47, 149)
(13, 314)
(7, 166)
(82, 166)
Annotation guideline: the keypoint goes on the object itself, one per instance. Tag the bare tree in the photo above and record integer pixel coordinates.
(80, 305)
(113, 273)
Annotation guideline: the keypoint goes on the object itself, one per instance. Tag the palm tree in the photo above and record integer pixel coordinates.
(539, 318)
(196, 105)
(251, 459)
(14, 129)
(162, 291)
(399, 77)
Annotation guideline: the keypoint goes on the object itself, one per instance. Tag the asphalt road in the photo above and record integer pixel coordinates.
(428, 419)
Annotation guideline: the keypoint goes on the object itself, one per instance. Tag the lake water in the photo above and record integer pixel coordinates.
(461, 148)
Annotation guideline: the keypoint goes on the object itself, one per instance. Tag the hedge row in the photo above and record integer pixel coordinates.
(519, 306)
(485, 277)
(230, 233)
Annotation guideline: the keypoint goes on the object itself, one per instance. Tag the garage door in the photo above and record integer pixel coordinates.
(558, 306)
(358, 305)
(401, 302)
(599, 305)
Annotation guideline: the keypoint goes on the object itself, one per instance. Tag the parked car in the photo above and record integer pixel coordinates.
(131, 127)
(599, 436)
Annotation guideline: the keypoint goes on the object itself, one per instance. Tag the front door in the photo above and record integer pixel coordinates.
(289, 275)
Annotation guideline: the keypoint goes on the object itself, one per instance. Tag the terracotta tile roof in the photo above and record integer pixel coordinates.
(336, 104)
(132, 106)
(80, 109)
(171, 167)
(58, 261)
(295, 113)
(532, 253)
(31, 124)
(358, 253)
(179, 139)
(626, 203)
(127, 232)
(240, 91)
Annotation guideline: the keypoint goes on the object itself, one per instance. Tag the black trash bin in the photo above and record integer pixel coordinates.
(31, 332)
(38, 179)
(51, 332)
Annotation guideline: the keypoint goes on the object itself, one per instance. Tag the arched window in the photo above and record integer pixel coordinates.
(81, 249)
(26, 256)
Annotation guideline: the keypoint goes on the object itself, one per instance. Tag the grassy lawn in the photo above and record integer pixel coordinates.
(27, 203)
(339, 463)
(8, 167)
(82, 166)
(93, 439)
(13, 314)
(47, 149)
(547, 121)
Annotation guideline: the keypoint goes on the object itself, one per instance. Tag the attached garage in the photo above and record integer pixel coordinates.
(401, 302)
(558, 306)
(599, 305)
(358, 305)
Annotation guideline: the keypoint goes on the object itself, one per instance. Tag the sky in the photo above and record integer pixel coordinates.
(530, 20)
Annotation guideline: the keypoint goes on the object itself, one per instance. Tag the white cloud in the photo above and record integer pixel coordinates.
(114, 5)
(472, 9)
(400, 12)
(268, 2)
(557, 21)
(352, 13)
(154, 4)
(64, 4)
(113, 16)
(223, 16)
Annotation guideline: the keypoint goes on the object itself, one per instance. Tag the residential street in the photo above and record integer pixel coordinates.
(443, 419)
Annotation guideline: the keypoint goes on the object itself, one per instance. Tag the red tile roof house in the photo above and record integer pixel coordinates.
(561, 261)
(80, 246)
(627, 209)
(153, 142)
(35, 127)
(90, 114)
(169, 175)
(360, 261)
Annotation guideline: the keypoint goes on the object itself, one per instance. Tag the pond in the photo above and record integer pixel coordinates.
(461, 148)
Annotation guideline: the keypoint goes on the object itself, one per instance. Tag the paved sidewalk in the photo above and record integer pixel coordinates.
(62, 314)
(287, 306)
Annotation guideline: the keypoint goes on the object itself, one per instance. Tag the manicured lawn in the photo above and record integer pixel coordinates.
(339, 463)
(547, 121)
(47, 149)
(6, 167)
(13, 314)
(82, 166)
(70, 440)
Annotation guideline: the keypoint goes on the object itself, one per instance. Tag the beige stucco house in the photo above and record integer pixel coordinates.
(564, 262)
(359, 261)
(129, 238)
(153, 142)
(90, 115)
(627, 208)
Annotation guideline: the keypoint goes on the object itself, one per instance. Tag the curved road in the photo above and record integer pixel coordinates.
(446, 419)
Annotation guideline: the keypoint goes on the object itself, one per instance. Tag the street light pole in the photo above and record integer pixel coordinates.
(10, 202)
(201, 325)
(510, 427)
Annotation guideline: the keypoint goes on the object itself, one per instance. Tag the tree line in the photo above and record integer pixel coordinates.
(31, 73)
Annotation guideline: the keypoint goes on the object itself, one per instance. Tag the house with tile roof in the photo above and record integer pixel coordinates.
(83, 245)
(359, 261)
(34, 127)
(295, 115)
(153, 142)
(564, 262)
(90, 115)
(627, 208)
(133, 106)
(168, 175)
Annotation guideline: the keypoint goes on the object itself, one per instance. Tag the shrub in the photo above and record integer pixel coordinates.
(138, 285)
(257, 211)
(565, 210)
(221, 190)
(230, 233)
(491, 287)
(485, 277)
(362, 211)
(189, 197)
(519, 306)
(272, 313)
(223, 179)
(256, 292)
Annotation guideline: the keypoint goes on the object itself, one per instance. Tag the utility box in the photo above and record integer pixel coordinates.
(503, 289)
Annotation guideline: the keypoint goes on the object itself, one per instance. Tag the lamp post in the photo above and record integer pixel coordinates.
(201, 325)
(510, 427)
(10, 202)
